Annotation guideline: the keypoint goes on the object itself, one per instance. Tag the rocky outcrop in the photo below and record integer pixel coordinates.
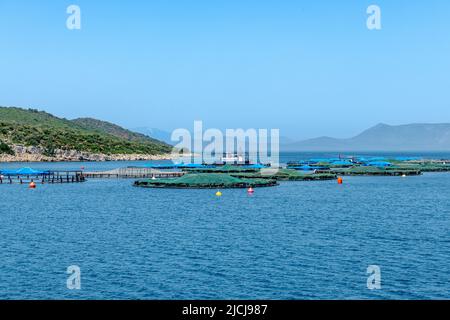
(38, 154)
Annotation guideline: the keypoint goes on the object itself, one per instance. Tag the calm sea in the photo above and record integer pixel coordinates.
(300, 240)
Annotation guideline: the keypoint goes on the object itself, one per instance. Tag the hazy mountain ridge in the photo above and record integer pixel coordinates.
(383, 137)
(33, 128)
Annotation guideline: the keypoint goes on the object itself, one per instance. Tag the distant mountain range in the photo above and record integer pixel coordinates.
(33, 128)
(382, 137)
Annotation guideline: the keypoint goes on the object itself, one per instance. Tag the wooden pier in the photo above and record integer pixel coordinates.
(132, 173)
(47, 177)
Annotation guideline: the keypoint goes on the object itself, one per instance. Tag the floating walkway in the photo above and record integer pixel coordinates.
(27, 175)
(132, 172)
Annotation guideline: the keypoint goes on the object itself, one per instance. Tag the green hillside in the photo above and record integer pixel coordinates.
(113, 129)
(38, 128)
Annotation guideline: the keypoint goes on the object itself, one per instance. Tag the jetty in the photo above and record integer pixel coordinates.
(27, 175)
(132, 172)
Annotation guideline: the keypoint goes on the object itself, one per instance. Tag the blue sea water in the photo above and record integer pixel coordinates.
(300, 240)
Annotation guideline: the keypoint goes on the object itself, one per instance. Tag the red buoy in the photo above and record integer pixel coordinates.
(250, 190)
(340, 180)
(32, 185)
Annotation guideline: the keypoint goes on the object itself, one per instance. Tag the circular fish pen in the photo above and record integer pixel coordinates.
(205, 181)
(375, 171)
(285, 175)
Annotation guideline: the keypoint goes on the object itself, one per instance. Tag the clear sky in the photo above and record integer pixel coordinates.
(309, 68)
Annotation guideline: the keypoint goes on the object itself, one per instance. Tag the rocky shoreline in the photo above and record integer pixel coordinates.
(37, 154)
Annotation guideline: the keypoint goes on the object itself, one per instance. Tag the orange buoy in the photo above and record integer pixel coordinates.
(250, 190)
(340, 180)
(32, 185)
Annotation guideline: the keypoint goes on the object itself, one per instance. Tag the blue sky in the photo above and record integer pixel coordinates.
(309, 68)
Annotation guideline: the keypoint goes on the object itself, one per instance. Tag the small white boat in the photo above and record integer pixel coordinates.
(232, 158)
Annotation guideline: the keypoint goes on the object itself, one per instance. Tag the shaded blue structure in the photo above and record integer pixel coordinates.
(23, 172)
(366, 160)
(24, 175)
(156, 166)
(342, 163)
(407, 158)
(308, 168)
(192, 166)
(377, 158)
(255, 166)
(317, 160)
(380, 164)
(172, 166)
